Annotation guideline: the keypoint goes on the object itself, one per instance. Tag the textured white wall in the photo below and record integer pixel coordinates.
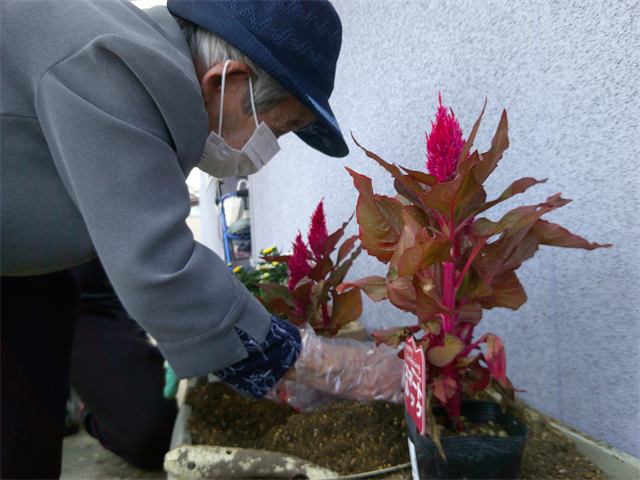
(567, 73)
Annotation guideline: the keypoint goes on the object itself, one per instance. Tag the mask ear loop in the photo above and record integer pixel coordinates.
(253, 105)
(224, 75)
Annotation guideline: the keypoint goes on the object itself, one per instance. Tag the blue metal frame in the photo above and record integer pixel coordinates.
(226, 236)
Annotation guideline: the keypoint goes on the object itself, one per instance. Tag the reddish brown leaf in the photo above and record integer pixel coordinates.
(347, 307)
(496, 359)
(444, 389)
(490, 159)
(394, 336)
(374, 286)
(405, 180)
(401, 292)
(507, 292)
(379, 219)
(427, 303)
(557, 236)
(519, 186)
(472, 137)
(346, 247)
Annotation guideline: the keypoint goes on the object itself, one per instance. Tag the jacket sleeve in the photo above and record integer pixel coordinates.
(124, 125)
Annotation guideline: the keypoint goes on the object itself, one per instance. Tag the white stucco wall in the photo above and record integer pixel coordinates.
(567, 73)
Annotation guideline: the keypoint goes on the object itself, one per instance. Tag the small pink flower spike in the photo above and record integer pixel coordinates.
(298, 265)
(318, 232)
(444, 144)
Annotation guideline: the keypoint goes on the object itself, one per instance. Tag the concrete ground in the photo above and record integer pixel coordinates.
(83, 458)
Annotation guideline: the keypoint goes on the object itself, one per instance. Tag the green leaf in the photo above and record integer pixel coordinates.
(379, 219)
(375, 287)
(432, 326)
(445, 354)
(274, 290)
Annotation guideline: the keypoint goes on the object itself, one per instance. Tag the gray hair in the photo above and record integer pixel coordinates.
(210, 49)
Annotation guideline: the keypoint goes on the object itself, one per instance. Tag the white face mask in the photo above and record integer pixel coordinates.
(221, 161)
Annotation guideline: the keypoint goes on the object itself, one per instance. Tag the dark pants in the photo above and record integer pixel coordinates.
(37, 329)
(114, 369)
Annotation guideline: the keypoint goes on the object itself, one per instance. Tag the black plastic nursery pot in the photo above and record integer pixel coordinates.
(472, 457)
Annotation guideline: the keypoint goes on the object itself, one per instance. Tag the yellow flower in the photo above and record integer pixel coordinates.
(266, 275)
(275, 264)
(269, 250)
(237, 269)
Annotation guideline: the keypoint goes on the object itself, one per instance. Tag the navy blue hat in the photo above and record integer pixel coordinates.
(296, 42)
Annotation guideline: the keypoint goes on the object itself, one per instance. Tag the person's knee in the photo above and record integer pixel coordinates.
(150, 442)
(142, 443)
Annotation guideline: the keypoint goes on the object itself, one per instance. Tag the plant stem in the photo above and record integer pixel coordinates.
(448, 295)
(472, 257)
(448, 281)
(325, 315)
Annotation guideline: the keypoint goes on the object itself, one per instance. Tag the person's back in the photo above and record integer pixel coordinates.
(43, 228)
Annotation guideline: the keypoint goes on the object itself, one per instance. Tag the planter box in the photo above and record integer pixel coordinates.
(615, 464)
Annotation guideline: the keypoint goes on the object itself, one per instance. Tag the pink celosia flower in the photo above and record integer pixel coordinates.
(318, 232)
(298, 265)
(444, 144)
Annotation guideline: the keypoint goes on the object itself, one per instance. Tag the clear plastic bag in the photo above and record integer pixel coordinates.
(330, 368)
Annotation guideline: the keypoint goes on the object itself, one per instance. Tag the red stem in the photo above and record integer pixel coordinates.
(325, 315)
(472, 257)
(448, 281)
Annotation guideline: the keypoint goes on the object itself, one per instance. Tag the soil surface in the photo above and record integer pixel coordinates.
(351, 437)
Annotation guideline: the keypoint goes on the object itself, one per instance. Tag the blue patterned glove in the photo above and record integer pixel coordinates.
(267, 361)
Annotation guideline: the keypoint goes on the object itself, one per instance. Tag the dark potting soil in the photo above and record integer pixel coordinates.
(351, 437)
(347, 437)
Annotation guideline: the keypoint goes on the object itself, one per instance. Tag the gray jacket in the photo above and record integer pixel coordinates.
(102, 119)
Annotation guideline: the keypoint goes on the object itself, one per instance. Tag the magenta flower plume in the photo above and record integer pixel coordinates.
(444, 144)
(318, 232)
(298, 265)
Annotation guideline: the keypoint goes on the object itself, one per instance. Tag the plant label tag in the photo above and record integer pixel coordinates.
(414, 387)
(415, 474)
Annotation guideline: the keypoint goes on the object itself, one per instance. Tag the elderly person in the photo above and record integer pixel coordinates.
(105, 110)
